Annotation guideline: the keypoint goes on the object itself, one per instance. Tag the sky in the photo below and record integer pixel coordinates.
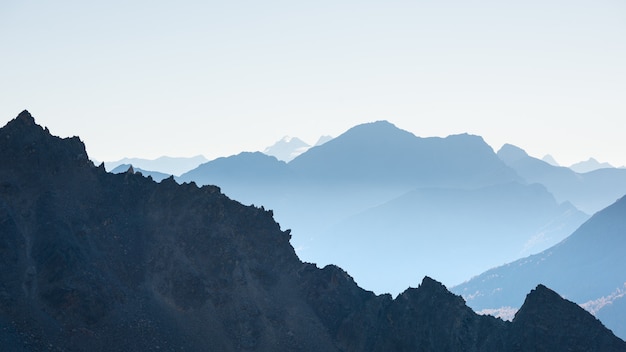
(151, 78)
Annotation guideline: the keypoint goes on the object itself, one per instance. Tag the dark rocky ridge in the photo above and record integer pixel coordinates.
(93, 261)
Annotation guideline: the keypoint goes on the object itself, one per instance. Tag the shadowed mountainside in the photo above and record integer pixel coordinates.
(588, 267)
(94, 261)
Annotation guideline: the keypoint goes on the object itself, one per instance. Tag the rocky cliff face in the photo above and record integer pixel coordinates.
(93, 261)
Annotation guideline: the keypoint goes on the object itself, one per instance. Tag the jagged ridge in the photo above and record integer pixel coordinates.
(96, 261)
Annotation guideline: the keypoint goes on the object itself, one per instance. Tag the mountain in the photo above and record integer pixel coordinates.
(287, 148)
(589, 192)
(590, 165)
(96, 261)
(379, 152)
(422, 232)
(588, 267)
(157, 176)
(164, 164)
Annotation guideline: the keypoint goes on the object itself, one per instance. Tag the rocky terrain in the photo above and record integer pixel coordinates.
(94, 261)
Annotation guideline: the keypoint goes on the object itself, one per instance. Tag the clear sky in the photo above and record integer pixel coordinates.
(152, 78)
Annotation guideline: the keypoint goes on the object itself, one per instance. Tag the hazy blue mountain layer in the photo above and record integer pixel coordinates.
(450, 233)
(588, 267)
(377, 186)
(589, 192)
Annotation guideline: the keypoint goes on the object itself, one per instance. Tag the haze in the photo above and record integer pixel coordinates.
(146, 78)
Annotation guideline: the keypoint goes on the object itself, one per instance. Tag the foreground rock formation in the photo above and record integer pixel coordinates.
(93, 261)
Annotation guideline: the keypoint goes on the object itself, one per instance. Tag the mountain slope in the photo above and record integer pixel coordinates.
(102, 262)
(450, 233)
(586, 266)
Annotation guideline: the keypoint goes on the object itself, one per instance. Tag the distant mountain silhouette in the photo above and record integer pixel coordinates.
(164, 164)
(588, 267)
(322, 140)
(157, 176)
(287, 148)
(589, 192)
(550, 160)
(589, 165)
(371, 185)
(95, 261)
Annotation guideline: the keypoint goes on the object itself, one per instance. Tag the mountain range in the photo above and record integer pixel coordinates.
(97, 261)
(377, 186)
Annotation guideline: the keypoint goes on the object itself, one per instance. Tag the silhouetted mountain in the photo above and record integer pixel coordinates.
(94, 261)
(287, 148)
(165, 164)
(589, 192)
(588, 267)
(157, 176)
(449, 233)
(590, 165)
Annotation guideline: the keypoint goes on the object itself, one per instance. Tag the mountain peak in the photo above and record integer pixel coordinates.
(550, 160)
(25, 117)
(544, 309)
(429, 283)
(510, 153)
(23, 139)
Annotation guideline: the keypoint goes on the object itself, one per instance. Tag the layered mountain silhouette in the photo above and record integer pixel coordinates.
(95, 261)
(377, 186)
(165, 164)
(588, 267)
(589, 192)
(589, 165)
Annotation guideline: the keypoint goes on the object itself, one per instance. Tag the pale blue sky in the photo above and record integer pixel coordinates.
(151, 78)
